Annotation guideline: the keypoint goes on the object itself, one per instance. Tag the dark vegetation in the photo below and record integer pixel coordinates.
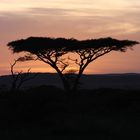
(54, 51)
(46, 112)
(18, 77)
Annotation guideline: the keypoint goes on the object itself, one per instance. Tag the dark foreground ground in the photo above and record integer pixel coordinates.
(47, 113)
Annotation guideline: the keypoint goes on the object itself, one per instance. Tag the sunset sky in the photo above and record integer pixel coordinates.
(80, 19)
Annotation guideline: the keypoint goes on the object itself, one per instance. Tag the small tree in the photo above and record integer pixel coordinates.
(51, 50)
(18, 78)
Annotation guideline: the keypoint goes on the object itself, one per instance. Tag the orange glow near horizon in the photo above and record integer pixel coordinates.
(72, 19)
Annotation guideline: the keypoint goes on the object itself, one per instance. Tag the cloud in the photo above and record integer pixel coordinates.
(50, 11)
(88, 22)
(60, 18)
(70, 22)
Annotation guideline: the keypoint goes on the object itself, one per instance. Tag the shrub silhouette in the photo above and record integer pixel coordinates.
(51, 50)
(18, 78)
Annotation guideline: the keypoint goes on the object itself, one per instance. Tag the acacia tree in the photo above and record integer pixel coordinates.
(52, 50)
(18, 77)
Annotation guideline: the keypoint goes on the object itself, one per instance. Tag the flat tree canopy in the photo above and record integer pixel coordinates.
(51, 50)
(39, 44)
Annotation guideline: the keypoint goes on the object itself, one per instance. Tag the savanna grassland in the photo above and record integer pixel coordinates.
(47, 112)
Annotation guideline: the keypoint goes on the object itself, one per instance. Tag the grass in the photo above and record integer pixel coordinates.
(49, 113)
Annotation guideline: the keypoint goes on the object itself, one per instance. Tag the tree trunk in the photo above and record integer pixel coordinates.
(63, 79)
(13, 86)
(81, 70)
(65, 83)
(76, 82)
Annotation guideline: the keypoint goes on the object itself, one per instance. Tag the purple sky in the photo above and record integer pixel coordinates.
(72, 18)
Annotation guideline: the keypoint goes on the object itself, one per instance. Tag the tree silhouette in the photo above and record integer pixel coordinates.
(18, 78)
(51, 50)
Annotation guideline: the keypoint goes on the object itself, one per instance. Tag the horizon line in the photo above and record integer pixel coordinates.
(123, 73)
